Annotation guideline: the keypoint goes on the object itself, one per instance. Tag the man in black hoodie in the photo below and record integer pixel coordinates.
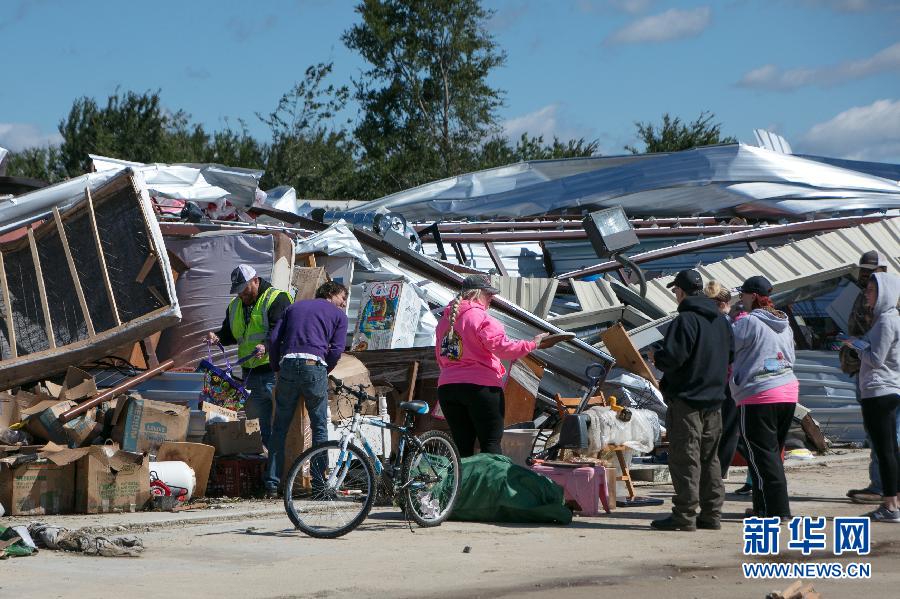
(694, 358)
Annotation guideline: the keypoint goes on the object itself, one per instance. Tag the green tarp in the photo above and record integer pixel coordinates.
(493, 489)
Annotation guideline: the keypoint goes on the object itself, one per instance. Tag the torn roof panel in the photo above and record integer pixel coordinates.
(797, 264)
(724, 179)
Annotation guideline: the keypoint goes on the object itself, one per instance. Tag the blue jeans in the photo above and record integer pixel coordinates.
(298, 379)
(259, 404)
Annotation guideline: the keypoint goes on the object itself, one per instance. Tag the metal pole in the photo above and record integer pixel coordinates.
(118, 389)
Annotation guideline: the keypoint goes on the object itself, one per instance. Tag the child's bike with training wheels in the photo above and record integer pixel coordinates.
(331, 487)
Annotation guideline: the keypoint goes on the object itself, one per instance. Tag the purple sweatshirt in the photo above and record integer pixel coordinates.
(315, 327)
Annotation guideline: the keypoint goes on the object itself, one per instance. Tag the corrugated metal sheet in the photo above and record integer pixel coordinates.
(830, 395)
(796, 264)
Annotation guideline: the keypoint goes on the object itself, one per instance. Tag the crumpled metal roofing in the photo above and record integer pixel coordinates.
(724, 179)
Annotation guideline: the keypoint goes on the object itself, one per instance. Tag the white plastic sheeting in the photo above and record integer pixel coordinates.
(336, 240)
(725, 179)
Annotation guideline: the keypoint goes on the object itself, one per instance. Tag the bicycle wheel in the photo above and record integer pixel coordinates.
(329, 493)
(430, 478)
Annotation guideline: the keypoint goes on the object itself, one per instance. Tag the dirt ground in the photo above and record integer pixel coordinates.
(249, 550)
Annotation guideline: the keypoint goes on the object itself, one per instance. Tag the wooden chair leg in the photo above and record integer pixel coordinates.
(626, 473)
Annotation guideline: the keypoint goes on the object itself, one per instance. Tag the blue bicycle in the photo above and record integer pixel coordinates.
(331, 487)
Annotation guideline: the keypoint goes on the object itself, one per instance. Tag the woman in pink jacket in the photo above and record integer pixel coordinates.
(470, 345)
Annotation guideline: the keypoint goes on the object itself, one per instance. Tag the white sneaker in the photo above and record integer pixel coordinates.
(883, 514)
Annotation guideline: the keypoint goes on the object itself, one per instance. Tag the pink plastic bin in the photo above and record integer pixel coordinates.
(586, 485)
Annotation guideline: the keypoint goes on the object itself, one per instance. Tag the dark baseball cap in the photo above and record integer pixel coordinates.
(479, 282)
(872, 260)
(688, 281)
(757, 284)
(240, 276)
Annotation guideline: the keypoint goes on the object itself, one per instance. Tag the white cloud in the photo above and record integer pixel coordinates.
(548, 121)
(775, 78)
(671, 25)
(861, 133)
(19, 136)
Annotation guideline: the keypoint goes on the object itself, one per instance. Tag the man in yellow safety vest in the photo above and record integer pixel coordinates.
(249, 319)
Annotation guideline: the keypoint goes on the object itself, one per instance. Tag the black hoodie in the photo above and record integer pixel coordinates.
(695, 354)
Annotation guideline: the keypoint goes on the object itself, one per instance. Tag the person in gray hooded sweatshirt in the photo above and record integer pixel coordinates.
(765, 388)
(879, 383)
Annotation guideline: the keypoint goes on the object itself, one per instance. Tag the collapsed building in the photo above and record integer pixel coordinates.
(124, 270)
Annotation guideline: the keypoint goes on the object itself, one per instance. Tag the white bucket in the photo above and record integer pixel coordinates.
(176, 474)
(516, 444)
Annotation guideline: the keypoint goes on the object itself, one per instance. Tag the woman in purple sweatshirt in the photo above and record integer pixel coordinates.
(304, 347)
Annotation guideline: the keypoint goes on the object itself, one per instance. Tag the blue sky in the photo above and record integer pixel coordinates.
(823, 73)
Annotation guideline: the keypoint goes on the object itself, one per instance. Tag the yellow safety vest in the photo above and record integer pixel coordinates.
(252, 333)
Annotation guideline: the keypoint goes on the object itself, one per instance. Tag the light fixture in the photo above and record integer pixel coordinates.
(610, 233)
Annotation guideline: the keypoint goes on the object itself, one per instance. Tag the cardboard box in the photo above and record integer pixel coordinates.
(198, 456)
(9, 410)
(77, 385)
(351, 372)
(305, 281)
(42, 421)
(232, 438)
(216, 413)
(38, 488)
(111, 480)
(142, 425)
(388, 316)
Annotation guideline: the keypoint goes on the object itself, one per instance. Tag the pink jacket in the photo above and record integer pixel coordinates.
(482, 344)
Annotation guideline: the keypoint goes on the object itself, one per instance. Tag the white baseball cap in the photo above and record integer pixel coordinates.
(240, 276)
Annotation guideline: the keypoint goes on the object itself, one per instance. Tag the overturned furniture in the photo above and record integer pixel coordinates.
(80, 282)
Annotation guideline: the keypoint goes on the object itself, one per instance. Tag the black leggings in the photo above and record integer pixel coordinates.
(880, 420)
(731, 441)
(764, 428)
(473, 412)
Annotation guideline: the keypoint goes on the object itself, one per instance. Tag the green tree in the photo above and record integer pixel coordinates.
(309, 150)
(131, 126)
(498, 151)
(42, 163)
(672, 135)
(426, 105)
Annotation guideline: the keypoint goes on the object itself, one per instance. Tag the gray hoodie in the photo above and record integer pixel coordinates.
(879, 372)
(763, 354)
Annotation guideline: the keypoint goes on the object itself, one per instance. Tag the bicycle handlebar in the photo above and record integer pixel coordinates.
(358, 393)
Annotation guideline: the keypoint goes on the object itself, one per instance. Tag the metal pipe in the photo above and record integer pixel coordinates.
(578, 234)
(118, 389)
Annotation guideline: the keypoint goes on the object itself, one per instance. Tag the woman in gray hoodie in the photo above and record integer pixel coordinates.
(879, 381)
(765, 388)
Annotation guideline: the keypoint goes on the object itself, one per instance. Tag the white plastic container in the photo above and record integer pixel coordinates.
(176, 474)
(517, 443)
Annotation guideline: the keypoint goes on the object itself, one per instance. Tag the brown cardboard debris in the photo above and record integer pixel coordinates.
(352, 372)
(232, 438)
(142, 425)
(110, 480)
(306, 281)
(42, 421)
(218, 413)
(198, 456)
(37, 488)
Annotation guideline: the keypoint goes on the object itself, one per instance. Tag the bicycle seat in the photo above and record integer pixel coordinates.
(419, 407)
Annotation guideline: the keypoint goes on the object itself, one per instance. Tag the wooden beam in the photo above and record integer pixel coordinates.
(7, 302)
(42, 290)
(75, 278)
(495, 258)
(96, 232)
